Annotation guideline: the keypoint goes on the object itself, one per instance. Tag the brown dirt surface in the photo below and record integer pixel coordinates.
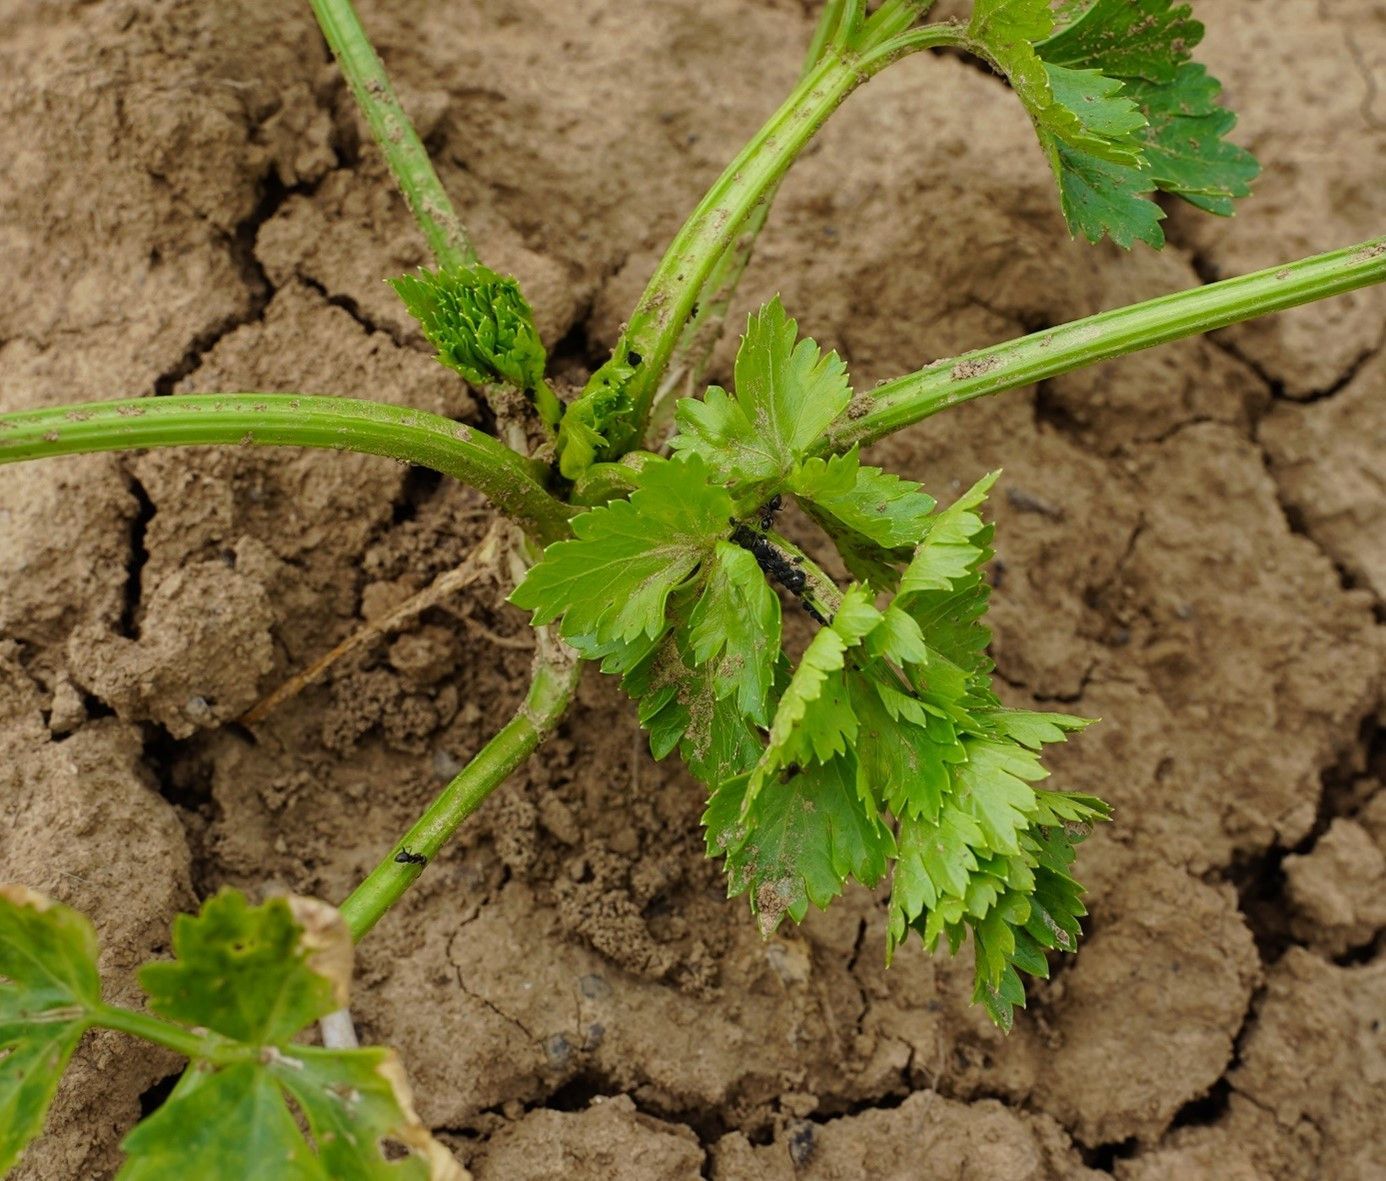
(1190, 546)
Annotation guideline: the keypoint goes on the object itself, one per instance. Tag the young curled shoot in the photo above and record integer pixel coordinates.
(483, 328)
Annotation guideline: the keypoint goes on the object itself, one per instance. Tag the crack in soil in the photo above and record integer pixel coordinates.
(484, 1000)
(241, 246)
(128, 624)
(401, 339)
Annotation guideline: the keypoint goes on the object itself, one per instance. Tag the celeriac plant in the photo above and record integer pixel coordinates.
(647, 540)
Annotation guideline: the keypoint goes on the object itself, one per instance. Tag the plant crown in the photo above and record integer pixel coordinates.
(885, 749)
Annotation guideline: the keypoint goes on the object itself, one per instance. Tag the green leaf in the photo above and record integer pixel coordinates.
(1185, 143)
(215, 1126)
(993, 786)
(794, 734)
(241, 971)
(1102, 191)
(1013, 936)
(899, 638)
(1069, 808)
(1016, 906)
(951, 549)
(679, 706)
(482, 327)
(246, 981)
(257, 975)
(814, 721)
(1124, 38)
(1008, 30)
(1087, 115)
(1032, 729)
(873, 517)
(798, 842)
(945, 594)
(1119, 110)
(881, 507)
(235, 1123)
(48, 988)
(354, 1101)
(1110, 121)
(786, 395)
(935, 860)
(1147, 44)
(737, 624)
(1104, 199)
(614, 580)
(904, 762)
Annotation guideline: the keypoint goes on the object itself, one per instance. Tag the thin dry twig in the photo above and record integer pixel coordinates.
(522, 643)
(485, 557)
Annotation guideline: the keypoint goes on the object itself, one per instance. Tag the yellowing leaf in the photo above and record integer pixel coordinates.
(241, 971)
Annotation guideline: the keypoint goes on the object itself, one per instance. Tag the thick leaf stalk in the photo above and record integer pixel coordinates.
(555, 677)
(510, 482)
(1102, 337)
(395, 135)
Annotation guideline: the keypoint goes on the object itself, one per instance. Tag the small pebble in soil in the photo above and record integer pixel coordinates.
(594, 987)
(557, 1050)
(802, 1142)
(445, 764)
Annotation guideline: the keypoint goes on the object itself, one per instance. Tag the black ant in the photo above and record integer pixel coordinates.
(767, 513)
(405, 857)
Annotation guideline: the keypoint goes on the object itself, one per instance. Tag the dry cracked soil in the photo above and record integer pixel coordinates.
(1192, 546)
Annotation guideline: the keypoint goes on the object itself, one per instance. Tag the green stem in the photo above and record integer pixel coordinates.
(892, 18)
(604, 482)
(206, 1047)
(1042, 355)
(404, 152)
(849, 24)
(511, 482)
(555, 677)
(707, 318)
(659, 318)
(829, 21)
